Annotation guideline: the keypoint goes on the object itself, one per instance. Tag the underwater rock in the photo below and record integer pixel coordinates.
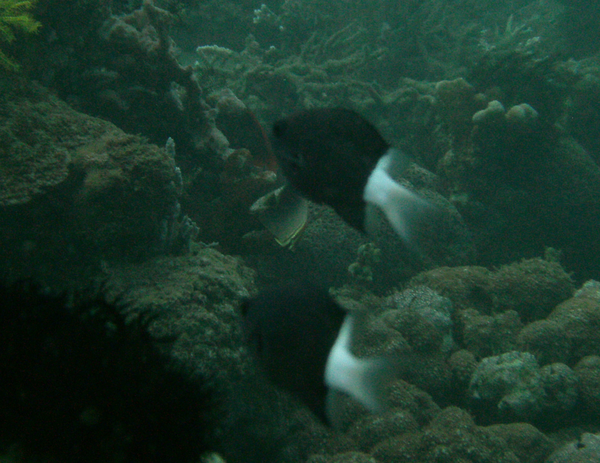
(513, 375)
(518, 74)
(226, 217)
(590, 289)
(494, 111)
(512, 387)
(527, 442)
(585, 450)
(458, 102)
(372, 429)
(194, 301)
(465, 286)
(366, 255)
(588, 372)
(418, 403)
(546, 340)
(415, 328)
(532, 287)
(519, 182)
(569, 333)
(487, 335)
(423, 318)
(453, 434)
(522, 114)
(462, 365)
(77, 192)
(138, 84)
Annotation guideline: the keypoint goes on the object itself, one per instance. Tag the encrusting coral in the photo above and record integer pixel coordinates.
(15, 16)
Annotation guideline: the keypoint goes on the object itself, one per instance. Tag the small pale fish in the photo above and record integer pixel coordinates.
(283, 213)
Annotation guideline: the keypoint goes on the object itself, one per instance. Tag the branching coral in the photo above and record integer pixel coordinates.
(15, 16)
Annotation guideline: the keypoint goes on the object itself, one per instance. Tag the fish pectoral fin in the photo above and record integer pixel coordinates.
(364, 379)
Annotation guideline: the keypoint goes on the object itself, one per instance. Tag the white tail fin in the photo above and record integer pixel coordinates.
(364, 379)
(402, 207)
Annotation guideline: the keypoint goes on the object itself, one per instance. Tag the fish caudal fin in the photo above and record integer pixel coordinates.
(402, 207)
(364, 379)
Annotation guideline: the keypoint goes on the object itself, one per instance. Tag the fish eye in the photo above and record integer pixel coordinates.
(279, 128)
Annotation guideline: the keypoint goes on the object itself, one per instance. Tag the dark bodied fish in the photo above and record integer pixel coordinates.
(336, 157)
(302, 338)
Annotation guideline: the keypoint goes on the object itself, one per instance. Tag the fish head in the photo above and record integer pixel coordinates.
(327, 154)
(290, 150)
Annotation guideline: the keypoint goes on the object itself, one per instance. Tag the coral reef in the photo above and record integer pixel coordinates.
(527, 443)
(514, 383)
(576, 320)
(518, 181)
(497, 353)
(423, 318)
(77, 193)
(588, 372)
(536, 287)
(366, 256)
(193, 301)
(487, 335)
(451, 435)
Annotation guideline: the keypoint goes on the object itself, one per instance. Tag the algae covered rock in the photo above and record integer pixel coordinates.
(520, 183)
(527, 442)
(588, 372)
(531, 287)
(423, 317)
(512, 387)
(451, 436)
(585, 450)
(546, 340)
(570, 332)
(76, 192)
(487, 335)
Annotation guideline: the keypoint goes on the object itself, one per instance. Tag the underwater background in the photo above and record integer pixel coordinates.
(134, 141)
